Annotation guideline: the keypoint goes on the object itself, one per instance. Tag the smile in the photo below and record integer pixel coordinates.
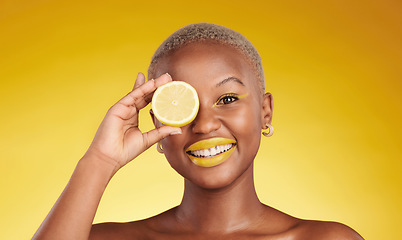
(211, 152)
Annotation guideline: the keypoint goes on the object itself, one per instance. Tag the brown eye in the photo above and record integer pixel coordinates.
(227, 99)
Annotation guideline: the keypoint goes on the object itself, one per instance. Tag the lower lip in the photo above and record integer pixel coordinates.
(212, 161)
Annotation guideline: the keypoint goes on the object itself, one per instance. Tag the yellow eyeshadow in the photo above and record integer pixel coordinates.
(243, 96)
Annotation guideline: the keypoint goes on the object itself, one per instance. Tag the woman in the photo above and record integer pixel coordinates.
(219, 201)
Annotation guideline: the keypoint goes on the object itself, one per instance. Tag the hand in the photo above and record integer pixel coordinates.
(118, 139)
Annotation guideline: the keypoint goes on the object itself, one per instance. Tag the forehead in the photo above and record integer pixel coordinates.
(208, 62)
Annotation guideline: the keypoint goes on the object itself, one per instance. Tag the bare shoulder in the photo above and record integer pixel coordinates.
(114, 230)
(316, 230)
(143, 229)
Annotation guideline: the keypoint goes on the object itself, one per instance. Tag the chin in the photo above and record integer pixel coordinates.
(212, 183)
(219, 177)
(229, 173)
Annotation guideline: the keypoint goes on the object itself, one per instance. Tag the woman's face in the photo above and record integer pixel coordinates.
(231, 114)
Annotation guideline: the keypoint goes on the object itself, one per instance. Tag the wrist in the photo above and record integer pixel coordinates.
(100, 163)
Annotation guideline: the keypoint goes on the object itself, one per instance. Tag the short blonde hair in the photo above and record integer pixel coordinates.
(199, 32)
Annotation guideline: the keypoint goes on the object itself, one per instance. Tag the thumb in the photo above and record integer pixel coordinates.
(155, 135)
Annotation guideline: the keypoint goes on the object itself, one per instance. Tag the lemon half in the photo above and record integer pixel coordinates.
(175, 103)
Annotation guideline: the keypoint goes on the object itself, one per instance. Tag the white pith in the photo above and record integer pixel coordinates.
(211, 152)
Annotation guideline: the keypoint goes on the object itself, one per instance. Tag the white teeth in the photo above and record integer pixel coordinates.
(213, 151)
(205, 153)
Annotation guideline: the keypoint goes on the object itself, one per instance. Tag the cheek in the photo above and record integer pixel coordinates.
(243, 121)
(244, 124)
(173, 149)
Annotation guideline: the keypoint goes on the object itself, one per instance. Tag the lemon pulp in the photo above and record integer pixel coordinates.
(175, 103)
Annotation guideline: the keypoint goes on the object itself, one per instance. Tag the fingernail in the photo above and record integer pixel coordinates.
(175, 133)
(168, 74)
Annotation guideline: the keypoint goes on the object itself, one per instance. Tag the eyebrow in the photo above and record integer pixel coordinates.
(228, 80)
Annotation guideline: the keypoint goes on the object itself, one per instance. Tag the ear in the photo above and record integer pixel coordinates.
(267, 108)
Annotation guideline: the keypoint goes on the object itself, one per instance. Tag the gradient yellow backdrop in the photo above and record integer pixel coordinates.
(333, 67)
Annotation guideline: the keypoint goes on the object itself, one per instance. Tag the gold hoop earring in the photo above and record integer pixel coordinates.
(270, 132)
(159, 148)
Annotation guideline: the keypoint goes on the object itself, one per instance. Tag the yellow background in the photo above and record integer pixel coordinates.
(333, 67)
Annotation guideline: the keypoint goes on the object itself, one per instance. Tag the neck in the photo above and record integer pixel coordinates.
(227, 209)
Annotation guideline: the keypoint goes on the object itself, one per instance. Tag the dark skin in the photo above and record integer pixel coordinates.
(219, 202)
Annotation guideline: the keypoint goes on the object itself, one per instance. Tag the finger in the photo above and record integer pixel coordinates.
(139, 94)
(123, 112)
(163, 79)
(146, 100)
(155, 135)
(139, 81)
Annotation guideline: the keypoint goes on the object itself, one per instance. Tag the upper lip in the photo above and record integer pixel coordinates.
(209, 143)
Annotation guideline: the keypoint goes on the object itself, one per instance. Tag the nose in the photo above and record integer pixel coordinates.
(205, 122)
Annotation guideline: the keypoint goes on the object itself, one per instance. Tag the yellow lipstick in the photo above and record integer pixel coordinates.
(211, 152)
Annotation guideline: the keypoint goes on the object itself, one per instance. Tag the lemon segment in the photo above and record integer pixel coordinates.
(175, 103)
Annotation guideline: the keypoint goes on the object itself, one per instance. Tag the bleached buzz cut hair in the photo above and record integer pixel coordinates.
(199, 32)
